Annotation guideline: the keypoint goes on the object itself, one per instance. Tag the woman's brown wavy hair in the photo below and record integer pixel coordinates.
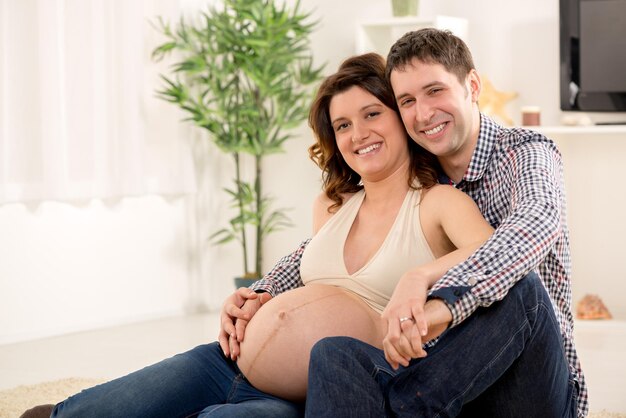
(368, 72)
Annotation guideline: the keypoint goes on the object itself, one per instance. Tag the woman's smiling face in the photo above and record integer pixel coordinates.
(369, 135)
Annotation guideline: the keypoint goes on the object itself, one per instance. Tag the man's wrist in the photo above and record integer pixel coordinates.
(438, 317)
(438, 312)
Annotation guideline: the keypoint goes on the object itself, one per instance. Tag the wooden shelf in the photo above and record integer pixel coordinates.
(581, 130)
(618, 324)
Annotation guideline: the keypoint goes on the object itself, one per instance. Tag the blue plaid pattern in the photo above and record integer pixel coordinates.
(516, 179)
(285, 275)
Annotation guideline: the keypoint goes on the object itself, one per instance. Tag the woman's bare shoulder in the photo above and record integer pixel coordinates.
(444, 200)
(323, 209)
(443, 193)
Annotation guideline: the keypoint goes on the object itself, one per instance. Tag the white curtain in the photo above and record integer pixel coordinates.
(78, 114)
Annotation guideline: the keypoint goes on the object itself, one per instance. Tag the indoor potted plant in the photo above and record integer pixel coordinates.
(244, 73)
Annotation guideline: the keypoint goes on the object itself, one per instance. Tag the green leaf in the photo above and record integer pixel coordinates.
(244, 73)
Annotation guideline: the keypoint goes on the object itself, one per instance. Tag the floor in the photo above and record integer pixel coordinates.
(113, 352)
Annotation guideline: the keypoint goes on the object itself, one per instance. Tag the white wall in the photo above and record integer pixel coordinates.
(495, 36)
(69, 267)
(516, 45)
(504, 38)
(593, 166)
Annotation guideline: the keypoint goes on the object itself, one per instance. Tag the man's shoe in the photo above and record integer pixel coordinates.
(40, 411)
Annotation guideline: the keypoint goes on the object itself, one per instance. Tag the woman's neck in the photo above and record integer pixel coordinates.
(384, 190)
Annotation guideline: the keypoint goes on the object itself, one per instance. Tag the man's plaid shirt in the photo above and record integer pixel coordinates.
(515, 177)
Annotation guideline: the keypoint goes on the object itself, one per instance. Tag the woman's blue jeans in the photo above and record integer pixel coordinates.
(506, 360)
(200, 382)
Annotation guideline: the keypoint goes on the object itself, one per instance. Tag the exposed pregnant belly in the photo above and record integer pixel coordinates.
(275, 351)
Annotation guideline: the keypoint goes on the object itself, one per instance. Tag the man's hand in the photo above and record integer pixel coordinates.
(237, 311)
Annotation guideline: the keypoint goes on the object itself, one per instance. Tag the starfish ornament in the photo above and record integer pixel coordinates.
(492, 102)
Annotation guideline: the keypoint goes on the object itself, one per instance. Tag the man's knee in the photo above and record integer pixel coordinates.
(331, 346)
(530, 282)
(529, 290)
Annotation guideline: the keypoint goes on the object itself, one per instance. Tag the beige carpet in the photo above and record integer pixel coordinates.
(15, 401)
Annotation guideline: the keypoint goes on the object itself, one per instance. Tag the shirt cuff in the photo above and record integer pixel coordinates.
(263, 285)
(463, 308)
(450, 294)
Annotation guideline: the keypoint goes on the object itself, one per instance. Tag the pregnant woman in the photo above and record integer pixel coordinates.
(380, 218)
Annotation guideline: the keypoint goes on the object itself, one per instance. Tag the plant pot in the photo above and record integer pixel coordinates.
(244, 281)
(404, 7)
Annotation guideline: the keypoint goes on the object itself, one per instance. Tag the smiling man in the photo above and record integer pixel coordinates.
(507, 349)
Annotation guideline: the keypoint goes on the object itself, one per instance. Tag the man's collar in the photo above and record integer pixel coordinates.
(487, 138)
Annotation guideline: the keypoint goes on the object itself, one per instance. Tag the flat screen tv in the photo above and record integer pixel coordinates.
(593, 55)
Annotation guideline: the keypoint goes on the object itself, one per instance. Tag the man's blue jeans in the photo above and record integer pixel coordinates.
(200, 382)
(506, 360)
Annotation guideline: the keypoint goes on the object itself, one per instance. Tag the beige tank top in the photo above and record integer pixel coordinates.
(404, 248)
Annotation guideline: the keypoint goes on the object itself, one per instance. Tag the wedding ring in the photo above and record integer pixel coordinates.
(406, 318)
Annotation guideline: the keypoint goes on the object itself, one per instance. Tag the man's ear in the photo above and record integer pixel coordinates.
(475, 85)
